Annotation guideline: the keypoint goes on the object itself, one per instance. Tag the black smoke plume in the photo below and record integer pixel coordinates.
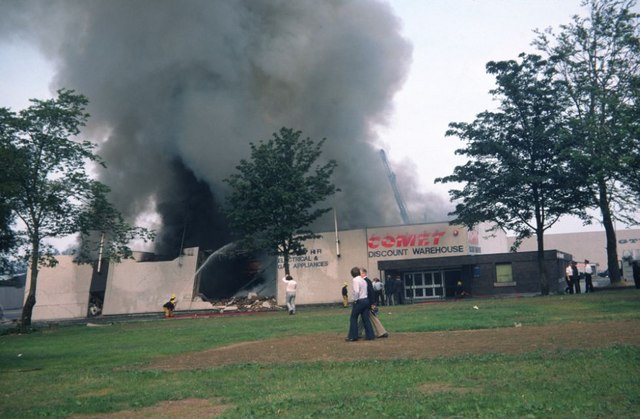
(178, 89)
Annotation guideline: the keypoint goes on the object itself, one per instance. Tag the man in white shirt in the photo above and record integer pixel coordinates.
(588, 282)
(361, 308)
(291, 293)
(568, 275)
(377, 288)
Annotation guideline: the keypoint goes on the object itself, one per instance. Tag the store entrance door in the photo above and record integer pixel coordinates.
(423, 285)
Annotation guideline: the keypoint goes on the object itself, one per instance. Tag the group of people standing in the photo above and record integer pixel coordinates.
(394, 290)
(390, 293)
(572, 278)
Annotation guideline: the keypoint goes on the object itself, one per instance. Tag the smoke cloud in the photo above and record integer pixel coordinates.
(177, 91)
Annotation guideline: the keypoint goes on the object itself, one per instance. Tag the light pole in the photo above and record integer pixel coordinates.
(335, 224)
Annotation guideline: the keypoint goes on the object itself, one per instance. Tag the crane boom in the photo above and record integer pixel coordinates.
(394, 187)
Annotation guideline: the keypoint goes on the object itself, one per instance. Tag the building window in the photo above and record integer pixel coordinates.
(504, 275)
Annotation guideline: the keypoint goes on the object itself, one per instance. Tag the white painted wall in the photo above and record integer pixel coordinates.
(492, 241)
(143, 287)
(321, 273)
(589, 245)
(62, 292)
(132, 287)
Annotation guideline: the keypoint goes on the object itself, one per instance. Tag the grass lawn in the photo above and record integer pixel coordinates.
(80, 370)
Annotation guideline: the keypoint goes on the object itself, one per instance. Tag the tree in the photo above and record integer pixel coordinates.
(104, 234)
(8, 189)
(54, 194)
(274, 194)
(516, 175)
(598, 60)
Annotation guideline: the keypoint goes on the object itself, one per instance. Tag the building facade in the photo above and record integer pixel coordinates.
(592, 246)
(430, 260)
(132, 286)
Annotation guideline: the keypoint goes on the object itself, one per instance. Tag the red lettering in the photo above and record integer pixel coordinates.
(406, 240)
(388, 241)
(437, 235)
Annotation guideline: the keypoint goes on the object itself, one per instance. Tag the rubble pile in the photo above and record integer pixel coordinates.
(250, 303)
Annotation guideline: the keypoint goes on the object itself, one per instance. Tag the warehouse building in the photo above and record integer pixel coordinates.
(430, 260)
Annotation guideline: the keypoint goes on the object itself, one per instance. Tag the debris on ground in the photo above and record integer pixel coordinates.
(250, 303)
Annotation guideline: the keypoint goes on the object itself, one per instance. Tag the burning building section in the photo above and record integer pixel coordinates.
(177, 91)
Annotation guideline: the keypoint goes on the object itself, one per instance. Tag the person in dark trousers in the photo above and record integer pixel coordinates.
(636, 272)
(588, 271)
(568, 275)
(399, 290)
(371, 293)
(575, 276)
(345, 296)
(389, 287)
(360, 308)
(377, 288)
(169, 306)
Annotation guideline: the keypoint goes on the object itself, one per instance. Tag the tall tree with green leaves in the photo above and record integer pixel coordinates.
(275, 194)
(54, 195)
(104, 233)
(598, 60)
(9, 161)
(516, 175)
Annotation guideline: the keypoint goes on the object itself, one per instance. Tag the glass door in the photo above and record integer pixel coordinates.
(423, 285)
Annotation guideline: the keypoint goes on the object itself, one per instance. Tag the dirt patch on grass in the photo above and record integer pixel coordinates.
(332, 347)
(188, 408)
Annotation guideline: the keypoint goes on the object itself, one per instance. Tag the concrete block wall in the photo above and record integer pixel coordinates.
(62, 292)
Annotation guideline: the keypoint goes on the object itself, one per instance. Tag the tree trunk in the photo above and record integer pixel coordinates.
(610, 231)
(542, 272)
(285, 256)
(30, 302)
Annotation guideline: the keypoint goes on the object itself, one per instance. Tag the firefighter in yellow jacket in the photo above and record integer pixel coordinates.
(169, 306)
(345, 295)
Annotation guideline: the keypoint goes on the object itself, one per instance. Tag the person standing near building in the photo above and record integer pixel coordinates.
(568, 274)
(635, 266)
(345, 296)
(399, 290)
(389, 287)
(588, 271)
(360, 308)
(377, 288)
(292, 285)
(575, 276)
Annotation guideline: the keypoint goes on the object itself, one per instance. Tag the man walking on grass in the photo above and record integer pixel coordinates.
(361, 308)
